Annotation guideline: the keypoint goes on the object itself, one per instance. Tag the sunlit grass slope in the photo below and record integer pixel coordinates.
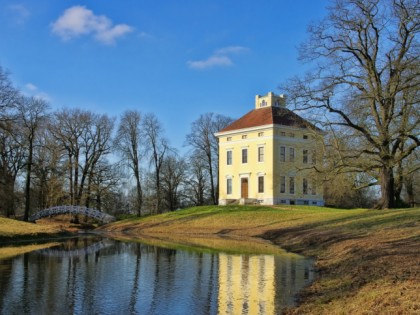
(15, 230)
(234, 220)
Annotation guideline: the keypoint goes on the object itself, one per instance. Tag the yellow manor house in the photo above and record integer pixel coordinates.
(268, 156)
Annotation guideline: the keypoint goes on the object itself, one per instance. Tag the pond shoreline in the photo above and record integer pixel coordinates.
(362, 257)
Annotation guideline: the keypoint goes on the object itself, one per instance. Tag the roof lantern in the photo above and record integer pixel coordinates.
(270, 100)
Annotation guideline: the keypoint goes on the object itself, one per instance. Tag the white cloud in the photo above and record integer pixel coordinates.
(108, 36)
(231, 50)
(20, 12)
(144, 35)
(31, 87)
(212, 61)
(77, 21)
(32, 90)
(220, 58)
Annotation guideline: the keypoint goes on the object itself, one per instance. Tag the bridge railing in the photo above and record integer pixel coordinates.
(89, 212)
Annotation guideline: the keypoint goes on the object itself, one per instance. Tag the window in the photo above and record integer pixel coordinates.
(313, 188)
(244, 136)
(305, 186)
(260, 154)
(291, 185)
(291, 135)
(282, 133)
(292, 154)
(229, 139)
(305, 136)
(313, 157)
(260, 184)
(282, 154)
(229, 158)
(282, 184)
(229, 186)
(305, 156)
(244, 156)
(261, 134)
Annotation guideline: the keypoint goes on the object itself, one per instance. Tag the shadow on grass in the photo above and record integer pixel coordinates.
(375, 253)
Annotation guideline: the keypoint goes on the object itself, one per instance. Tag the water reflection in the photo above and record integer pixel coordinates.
(101, 276)
(70, 248)
(262, 284)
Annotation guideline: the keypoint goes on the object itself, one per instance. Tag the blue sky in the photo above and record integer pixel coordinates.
(178, 59)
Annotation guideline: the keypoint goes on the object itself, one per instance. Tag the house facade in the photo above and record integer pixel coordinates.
(268, 156)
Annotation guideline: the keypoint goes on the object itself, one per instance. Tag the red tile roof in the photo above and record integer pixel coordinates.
(269, 116)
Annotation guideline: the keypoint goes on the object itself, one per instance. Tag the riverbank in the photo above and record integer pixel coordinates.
(17, 237)
(367, 260)
(18, 231)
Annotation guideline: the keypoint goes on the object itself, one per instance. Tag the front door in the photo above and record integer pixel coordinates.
(244, 188)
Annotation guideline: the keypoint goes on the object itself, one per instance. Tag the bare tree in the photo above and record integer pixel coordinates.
(173, 176)
(31, 115)
(48, 169)
(104, 185)
(366, 82)
(12, 155)
(198, 181)
(128, 142)
(205, 144)
(157, 147)
(9, 97)
(96, 144)
(85, 138)
(67, 128)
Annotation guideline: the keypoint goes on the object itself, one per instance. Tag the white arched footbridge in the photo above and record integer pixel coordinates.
(89, 212)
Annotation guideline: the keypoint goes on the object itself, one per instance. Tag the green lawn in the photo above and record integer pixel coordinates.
(235, 220)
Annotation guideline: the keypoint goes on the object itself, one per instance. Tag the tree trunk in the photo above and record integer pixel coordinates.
(409, 186)
(138, 189)
(9, 195)
(212, 188)
(158, 210)
(98, 201)
(76, 180)
(387, 188)
(89, 189)
(28, 182)
(71, 179)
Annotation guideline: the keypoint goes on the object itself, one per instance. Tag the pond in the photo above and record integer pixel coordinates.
(95, 275)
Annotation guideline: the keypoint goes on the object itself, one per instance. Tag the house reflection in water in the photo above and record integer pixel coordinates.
(261, 284)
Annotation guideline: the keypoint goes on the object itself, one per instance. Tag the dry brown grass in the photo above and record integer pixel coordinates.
(366, 265)
(12, 228)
